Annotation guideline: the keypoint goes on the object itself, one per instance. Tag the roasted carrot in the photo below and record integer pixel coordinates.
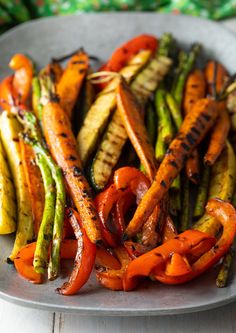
(215, 75)
(62, 145)
(71, 81)
(218, 136)
(55, 71)
(23, 76)
(195, 89)
(35, 183)
(194, 128)
(130, 112)
(192, 167)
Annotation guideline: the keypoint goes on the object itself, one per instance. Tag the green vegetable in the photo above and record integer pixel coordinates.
(202, 193)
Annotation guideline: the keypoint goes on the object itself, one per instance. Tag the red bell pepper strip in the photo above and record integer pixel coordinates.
(123, 54)
(158, 257)
(226, 214)
(7, 99)
(106, 259)
(122, 206)
(22, 79)
(104, 203)
(112, 278)
(24, 260)
(84, 259)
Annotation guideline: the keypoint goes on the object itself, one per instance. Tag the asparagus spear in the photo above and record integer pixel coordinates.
(33, 136)
(46, 227)
(223, 275)
(202, 194)
(36, 96)
(187, 67)
(184, 221)
(174, 110)
(163, 114)
(182, 58)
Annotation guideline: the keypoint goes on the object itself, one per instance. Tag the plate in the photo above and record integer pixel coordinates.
(99, 34)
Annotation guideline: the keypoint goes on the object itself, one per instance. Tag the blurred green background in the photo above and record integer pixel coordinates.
(13, 12)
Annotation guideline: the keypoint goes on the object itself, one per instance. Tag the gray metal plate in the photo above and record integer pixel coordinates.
(99, 34)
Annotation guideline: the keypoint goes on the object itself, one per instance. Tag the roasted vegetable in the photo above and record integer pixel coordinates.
(10, 130)
(8, 216)
(222, 180)
(70, 83)
(62, 145)
(194, 128)
(115, 136)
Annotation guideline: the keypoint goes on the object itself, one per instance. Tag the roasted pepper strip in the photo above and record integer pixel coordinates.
(158, 257)
(84, 259)
(226, 215)
(113, 278)
(22, 79)
(7, 100)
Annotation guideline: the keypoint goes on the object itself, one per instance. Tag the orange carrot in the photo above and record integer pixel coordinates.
(215, 71)
(192, 167)
(218, 136)
(55, 71)
(130, 112)
(62, 144)
(194, 128)
(71, 81)
(35, 183)
(216, 75)
(195, 89)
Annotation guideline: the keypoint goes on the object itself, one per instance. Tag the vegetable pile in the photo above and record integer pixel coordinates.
(129, 171)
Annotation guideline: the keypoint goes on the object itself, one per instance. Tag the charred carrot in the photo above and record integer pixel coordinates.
(218, 136)
(35, 183)
(215, 75)
(195, 89)
(71, 81)
(62, 145)
(195, 126)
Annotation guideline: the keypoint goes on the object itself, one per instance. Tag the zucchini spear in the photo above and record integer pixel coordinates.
(10, 130)
(143, 85)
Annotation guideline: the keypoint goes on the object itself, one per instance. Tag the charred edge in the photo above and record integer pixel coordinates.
(206, 117)
(195, 130)
(201, 124)
(169, 151)
(185, 146)
(190, 139)
(64, 135)
(82, 70)
(196, 176)
(163, 184)
(72, 158)
(77, 171)
(174, 164)
(69, 213)
(78, 62)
